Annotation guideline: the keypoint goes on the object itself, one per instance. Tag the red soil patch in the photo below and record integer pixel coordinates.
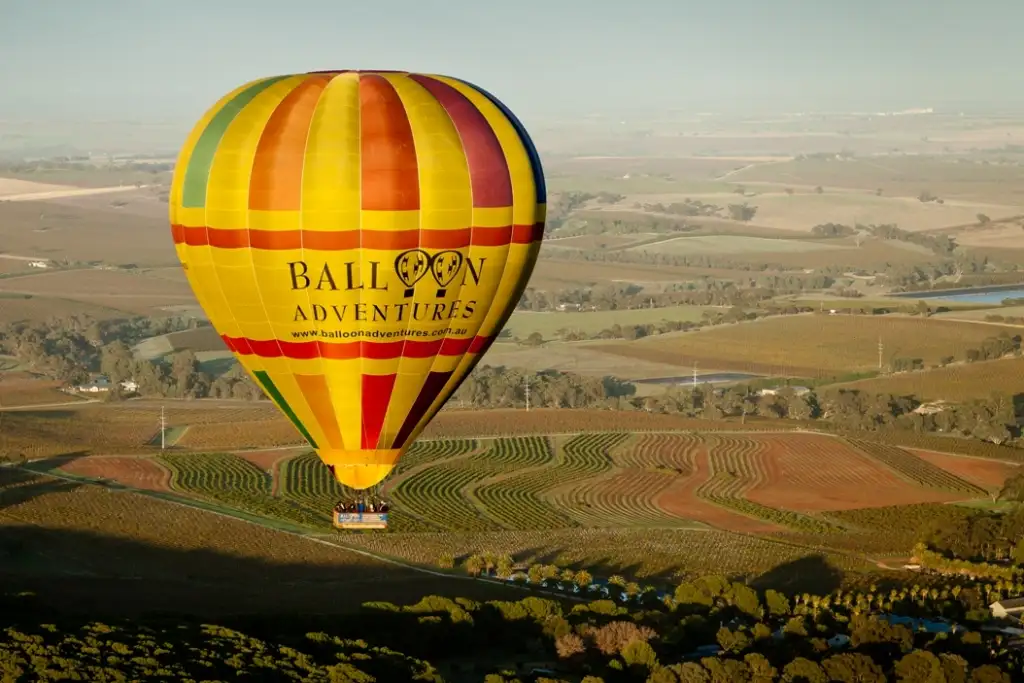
(680, 499)
(815, 473)
(988, 474)
(140, 473)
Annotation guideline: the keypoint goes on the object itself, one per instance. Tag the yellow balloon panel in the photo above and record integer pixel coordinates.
(358, 239)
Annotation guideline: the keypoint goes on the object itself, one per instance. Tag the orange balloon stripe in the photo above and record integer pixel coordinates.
(318, 396)
(390, 174)
(310, 350)
(276, 180)
(337, 240)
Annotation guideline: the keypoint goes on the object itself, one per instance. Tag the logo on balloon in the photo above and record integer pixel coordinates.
(444, 266)
(410, 267)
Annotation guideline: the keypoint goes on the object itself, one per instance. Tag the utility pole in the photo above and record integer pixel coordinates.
(695, 376)
(527, 381)
(163, 429)
(880, 347)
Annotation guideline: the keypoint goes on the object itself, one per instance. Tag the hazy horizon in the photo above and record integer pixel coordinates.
(121, 61)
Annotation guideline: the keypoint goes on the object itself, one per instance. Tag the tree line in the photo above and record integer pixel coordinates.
(708, 630)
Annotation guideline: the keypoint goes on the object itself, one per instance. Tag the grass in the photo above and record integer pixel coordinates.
(809, 345)
(523, 323)
(954, 383)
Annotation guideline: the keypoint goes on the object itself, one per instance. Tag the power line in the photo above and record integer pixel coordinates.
(163, 429)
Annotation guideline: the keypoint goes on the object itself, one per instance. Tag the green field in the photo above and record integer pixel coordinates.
(524, 323)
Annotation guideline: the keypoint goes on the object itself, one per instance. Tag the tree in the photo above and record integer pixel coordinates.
(853, 668)
(989, 673)
(803, 670)
(569, 645)
(983, 219)
(919, 666)
(639, 654)
(819, 189)
(1013, 489)
(778, 604)
(761, 670)
(582, 578)
(474, 565)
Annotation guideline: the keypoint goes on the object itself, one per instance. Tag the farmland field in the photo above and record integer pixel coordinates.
(554, 273)
(19, 307)
(22, 389)
(954, 383)
(801, 212)
(809, 345)
(735, 245)
(739, 482)
(114, 289)
(107, 551)
(897, 177)
(523, 323)
(86, 232)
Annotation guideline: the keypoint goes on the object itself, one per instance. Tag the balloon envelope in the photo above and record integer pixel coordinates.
(358, 239)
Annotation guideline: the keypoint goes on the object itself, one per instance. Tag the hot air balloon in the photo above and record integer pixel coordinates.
(358, 239)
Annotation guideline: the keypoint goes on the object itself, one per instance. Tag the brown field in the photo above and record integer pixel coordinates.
(113, 552)
(997, 238)
(22, 389)
(13, 186)
(86, 233)
(18, 307)
(961, 382)
(579, 358)
(140, 473)
(467, 423)
(808, 345)
(988, 474)
(801, 212)
(233, 435)
(557, 273)
(269, 460)
(119, 429)
(122, 290)
(592, 242)
(897, 176)
(815, 473)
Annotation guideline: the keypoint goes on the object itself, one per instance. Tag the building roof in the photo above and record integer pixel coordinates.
(1012, 603)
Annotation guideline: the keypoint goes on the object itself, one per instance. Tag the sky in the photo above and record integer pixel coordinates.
(159, 60)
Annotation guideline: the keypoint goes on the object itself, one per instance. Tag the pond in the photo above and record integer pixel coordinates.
(708, 378)
(981, 295)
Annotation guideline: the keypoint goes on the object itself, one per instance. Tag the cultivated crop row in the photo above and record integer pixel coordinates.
(236, 483)
(633, 552)
(735, 467)
(669, 453)
(915, 469)
(578, 459)
(421, 452)
(436, 493)
(516, 507)
(623, 499)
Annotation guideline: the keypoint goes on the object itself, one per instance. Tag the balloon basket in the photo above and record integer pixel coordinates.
(360, 521)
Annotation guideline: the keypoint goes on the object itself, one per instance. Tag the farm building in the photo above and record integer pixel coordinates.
(1013, 608)
(101, 384)
(38, 264)
(772, 391)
